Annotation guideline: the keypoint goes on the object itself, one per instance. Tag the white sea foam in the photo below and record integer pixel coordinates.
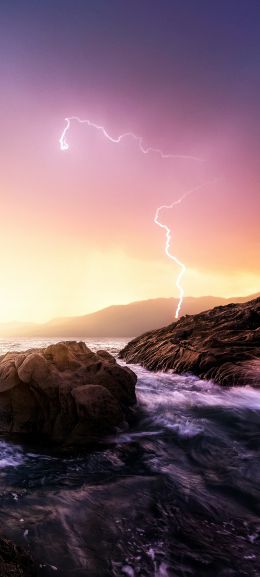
(10, 455)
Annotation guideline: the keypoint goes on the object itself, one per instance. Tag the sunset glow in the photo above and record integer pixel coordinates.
(77, 230)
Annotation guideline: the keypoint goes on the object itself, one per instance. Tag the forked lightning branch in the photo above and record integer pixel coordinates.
(64, 145)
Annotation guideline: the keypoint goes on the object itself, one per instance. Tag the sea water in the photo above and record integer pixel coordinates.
(176, 495)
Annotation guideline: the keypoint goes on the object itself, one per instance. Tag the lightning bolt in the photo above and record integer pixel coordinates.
(116, 140)
(145, 150)
(180, 264)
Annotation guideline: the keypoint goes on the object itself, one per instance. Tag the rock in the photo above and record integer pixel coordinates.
(33, 367)
(64, 392)
(14, 562)
(222, 344)
(96, 403)
(8, 375)
(98, 412)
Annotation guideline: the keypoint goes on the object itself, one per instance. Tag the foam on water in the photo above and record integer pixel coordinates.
(186, 391)
(10, 455)
(188, 465)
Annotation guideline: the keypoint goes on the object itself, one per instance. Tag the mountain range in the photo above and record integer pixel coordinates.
(118, 320)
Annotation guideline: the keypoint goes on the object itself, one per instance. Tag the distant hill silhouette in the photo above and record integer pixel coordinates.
(118, 320)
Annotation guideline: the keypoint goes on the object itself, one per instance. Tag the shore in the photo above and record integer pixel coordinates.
(222, 344)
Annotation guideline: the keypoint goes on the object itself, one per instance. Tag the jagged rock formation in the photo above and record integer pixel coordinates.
(64, 392)
(222, 344)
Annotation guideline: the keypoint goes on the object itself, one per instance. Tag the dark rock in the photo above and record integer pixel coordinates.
(14, 562)
(96, 403)
(65, 392)
(222, 344)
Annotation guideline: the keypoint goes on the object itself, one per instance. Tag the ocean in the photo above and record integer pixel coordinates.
(176, 495)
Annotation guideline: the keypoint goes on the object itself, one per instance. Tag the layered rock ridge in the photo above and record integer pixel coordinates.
(222, 344)
(65, 393)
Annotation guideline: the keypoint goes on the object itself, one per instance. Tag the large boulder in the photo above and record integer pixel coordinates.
(222, 344)
(65, 392)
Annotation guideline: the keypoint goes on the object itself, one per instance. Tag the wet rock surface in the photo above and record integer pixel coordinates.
(222, 344)
(176, 495)
(64, 392)
(14, 562)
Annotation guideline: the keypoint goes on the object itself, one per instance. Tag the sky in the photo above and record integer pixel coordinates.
(77, 227)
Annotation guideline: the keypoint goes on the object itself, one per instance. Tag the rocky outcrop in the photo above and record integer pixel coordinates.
(14, 562)
(222, 344)
(64, 392)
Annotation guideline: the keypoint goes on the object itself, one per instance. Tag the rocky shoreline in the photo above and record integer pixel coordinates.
(14, 561)
(222, 344)
(64, 393)
(67, 396)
